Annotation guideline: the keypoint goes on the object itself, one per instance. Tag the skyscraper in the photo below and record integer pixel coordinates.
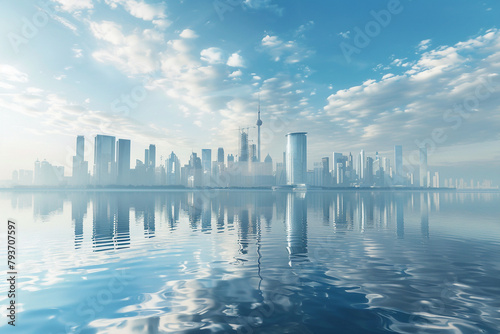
(152, 157)
(220, 155)
(243, 156)
(123, 161)
(104, 160)
(296, 158)
(423, 166)
(206, 161)
(173, 170)
(326, 171)
(398, 163)
(252, 152)
(80, 166)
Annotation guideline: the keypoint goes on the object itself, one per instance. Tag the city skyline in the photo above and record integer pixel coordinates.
(190, 76)
(113, 167)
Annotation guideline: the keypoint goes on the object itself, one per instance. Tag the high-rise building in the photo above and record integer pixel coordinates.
(243, 154)
(423, 166)
(206, 161)
(362, 165)
(152, 157)
(368, 173)
(123, 161)
(80, 166)
(252, 153)
(296, 158)
(173, 170)
(335, 159)
(326, 171)
(220, 155)
(104, 160)
(398, 163)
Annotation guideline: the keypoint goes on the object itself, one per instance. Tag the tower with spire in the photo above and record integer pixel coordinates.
(259, 123)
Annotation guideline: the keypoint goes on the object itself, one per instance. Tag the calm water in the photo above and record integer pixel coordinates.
(254, 262)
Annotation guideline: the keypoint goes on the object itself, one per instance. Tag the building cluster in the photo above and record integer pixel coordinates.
(112, 167)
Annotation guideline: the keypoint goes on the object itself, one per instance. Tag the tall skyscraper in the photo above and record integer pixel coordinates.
(80, 166)
(326, 171)
(423, 166)
(206, 161)
(123, 161)
(362, 165)
(152, 156)
(80, 148)
(398, 163)
(259, 123)
(243, 156)
(173, 170)
(335, 159)
(104, 160)
(252, 152)
(296, 158)
(220, 155)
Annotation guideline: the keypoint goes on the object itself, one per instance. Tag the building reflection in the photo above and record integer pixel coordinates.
(249, 214)
(79, 202)
(111, 221)
(400, 223)
(424, 214)
(296, 226)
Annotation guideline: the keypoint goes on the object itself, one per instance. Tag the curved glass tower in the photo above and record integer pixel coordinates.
(296, 158)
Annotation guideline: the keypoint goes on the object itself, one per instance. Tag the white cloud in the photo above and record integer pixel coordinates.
(236, 74)
(345, 34)
(10, 73)
(408, 107)
(291, 51)
(132, 54)
(188, 33)
(424, 45)
(212, 55)
(140, 9)
(75, 5)
(235, 60)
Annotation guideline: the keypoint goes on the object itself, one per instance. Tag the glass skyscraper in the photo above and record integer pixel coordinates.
(296, 158)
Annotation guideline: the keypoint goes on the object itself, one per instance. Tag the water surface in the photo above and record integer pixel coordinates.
(255, 262)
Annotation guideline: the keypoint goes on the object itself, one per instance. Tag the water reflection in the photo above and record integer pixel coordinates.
(247, 212)
(234, 261)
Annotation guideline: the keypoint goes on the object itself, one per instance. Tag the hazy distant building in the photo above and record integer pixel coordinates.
(220, 155)
(206, 160)
(398, 164)
(123, 161)
(152, 157)
(243, 154)
(423, 166)
(296, 158)
(206, 163)
(326, 172)
(48, 175)
(104, 160)
(253, 152)
(173, 170)
(80, 166)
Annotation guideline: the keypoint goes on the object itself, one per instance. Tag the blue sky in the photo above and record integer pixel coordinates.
(185, 75)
